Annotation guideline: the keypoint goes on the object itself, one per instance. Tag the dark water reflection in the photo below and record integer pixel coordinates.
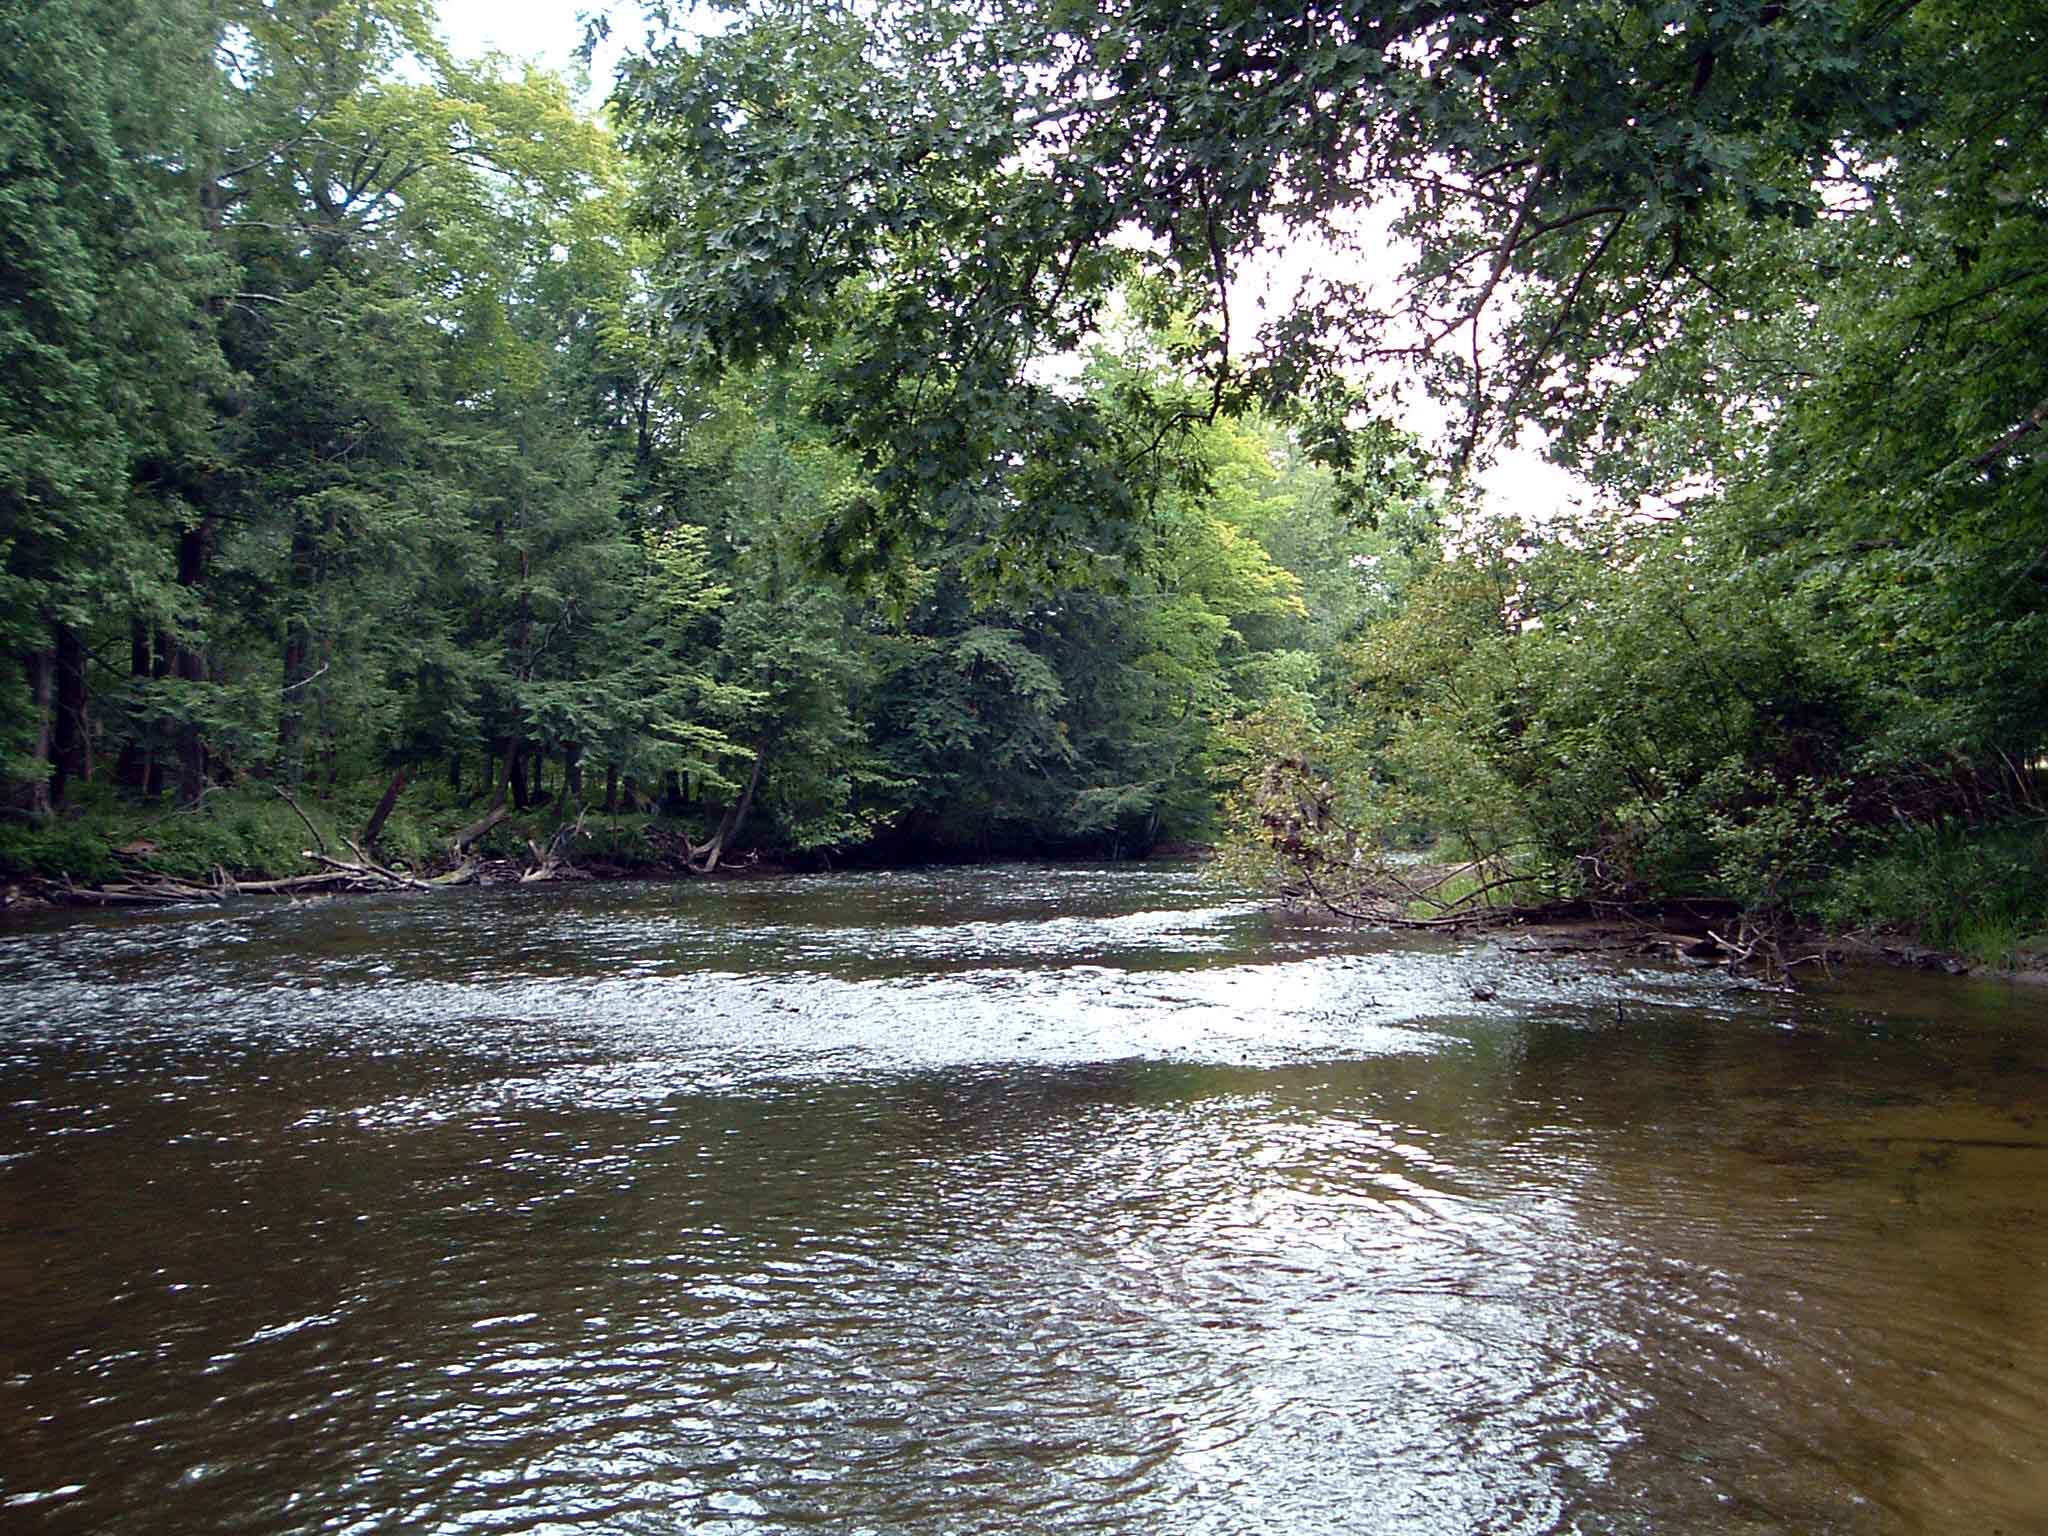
(1024, 1200)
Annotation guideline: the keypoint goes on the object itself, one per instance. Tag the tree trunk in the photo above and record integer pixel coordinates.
(194, 549)
(72, 749)
(291, 712)
(572, 778)
(476, 829)
(704, 860)
(132, 772)
(159, 668)
(298, 654)
(515, 772)
(736, 818)
(41, 667)
(383, 812)
(611, 789)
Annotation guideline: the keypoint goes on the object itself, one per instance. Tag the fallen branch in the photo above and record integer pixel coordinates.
(318, 841)
(371, 874)
(166, 891)
(549, 865)
(1389, 915)
(459, 845)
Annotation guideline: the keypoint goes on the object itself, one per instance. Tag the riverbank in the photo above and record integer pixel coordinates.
(1796, 951)
(258, 840)
(1428, 896)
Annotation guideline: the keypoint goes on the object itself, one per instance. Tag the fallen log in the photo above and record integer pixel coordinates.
(549, 865)
(285, 885)
(108, 896)
(459, 844)
(366, 874)
(336, 875)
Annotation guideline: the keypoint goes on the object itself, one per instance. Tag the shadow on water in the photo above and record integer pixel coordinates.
(1019, 1200)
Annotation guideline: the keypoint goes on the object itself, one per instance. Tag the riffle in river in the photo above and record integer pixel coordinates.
(1025, 1199)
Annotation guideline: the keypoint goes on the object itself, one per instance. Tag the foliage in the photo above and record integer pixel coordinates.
(853, 442)
(1980, 890)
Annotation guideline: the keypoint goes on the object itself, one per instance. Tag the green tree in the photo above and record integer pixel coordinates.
(105, 357)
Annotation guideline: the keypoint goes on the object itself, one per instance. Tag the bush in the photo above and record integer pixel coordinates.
(78, 848)
(242, 833)
(1979, 891)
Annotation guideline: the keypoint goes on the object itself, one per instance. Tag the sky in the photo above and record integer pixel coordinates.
(548, 31)
(545, 31)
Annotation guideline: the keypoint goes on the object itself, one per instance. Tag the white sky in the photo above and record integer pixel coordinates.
(543, 32)
(546, 31)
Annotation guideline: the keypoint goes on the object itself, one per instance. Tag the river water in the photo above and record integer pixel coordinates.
(998, 1200)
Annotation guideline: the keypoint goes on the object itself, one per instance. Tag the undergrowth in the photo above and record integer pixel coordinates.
(250, 831)
(1981, 892)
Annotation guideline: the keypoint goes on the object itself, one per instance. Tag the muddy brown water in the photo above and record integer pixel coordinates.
(999, 1200)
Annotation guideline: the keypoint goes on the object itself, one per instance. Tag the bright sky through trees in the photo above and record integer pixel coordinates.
(543, 29)
(547, 31)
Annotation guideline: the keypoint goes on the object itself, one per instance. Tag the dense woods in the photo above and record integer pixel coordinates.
(872, 432)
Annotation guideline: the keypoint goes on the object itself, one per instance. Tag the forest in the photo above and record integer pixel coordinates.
(876, 432)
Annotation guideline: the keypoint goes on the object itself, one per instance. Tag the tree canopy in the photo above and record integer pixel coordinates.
(883, 428)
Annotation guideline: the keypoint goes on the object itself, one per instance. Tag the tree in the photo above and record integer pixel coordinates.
(105, 355)
(1781, 265)
(413, 237)
(1575, 175)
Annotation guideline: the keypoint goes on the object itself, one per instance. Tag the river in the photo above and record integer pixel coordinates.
(1027, 1199)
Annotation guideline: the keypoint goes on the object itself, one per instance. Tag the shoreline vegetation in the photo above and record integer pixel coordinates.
(1704, 932)
(261, 841)
(411, 474)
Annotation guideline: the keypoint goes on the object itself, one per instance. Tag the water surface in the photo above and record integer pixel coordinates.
(1026, 1199)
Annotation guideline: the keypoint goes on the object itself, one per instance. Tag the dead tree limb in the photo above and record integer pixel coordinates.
(459, 845)
(549, 865)
(318, 841)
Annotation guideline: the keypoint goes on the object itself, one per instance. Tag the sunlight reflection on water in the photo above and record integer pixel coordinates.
(1020, 1200)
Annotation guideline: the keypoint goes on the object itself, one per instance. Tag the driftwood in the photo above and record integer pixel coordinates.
(164, 890)
(371, 874)
(551, 865)
(362, 873)
(1387, 899)
(459, 844)
(1765, 948)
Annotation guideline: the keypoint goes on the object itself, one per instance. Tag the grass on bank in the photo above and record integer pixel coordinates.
(1979, 892)
(251, 832)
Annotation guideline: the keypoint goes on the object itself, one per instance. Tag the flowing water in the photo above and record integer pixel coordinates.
(997, 1200)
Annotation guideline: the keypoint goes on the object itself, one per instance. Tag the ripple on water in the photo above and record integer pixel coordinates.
(1051, 1200)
